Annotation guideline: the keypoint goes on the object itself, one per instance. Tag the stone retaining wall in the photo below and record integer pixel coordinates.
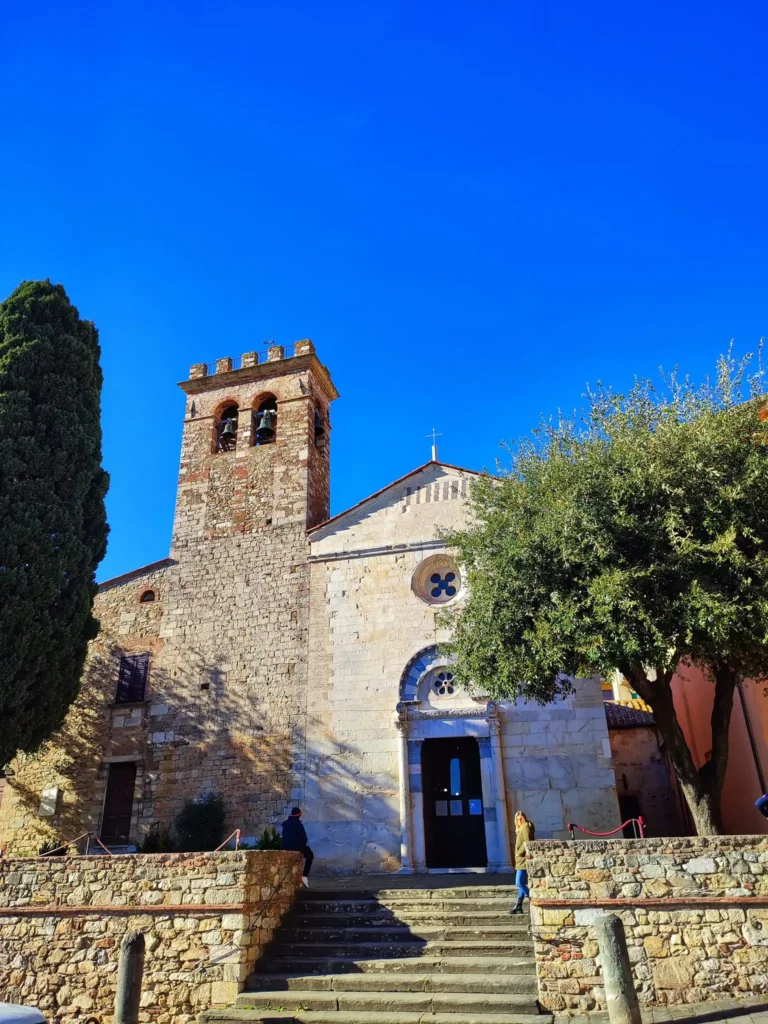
(695, 912)
(206, 918)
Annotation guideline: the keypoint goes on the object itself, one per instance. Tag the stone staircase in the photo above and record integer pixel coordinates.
(396, 956)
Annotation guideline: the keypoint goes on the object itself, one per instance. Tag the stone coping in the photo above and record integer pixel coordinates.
(744, 1010)
(658, 902)
(105, 858)
(63, 909)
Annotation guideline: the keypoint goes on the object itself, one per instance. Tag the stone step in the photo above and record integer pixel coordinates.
(382, 918)
(361, 906)
(404, 948)
(402, 933)
(524, 966)
(380, 955)
(299, 1016)
(400, 1002)
(521, 984)
(398, 895)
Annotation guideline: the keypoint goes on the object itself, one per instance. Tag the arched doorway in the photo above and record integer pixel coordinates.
(452, 801)
(454, 820)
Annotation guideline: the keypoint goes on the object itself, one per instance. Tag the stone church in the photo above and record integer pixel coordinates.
(281, 657)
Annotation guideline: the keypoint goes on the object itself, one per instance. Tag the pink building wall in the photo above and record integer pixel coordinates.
(694, 696)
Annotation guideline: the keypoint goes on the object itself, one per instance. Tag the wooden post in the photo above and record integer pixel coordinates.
(129, 974)
(620, 994)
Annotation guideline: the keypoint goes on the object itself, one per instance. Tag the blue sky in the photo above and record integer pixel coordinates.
(473, 209)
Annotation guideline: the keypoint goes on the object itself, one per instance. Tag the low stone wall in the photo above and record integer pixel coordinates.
(695, 913)
(206, 917)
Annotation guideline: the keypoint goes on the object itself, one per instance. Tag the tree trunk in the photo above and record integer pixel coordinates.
(702, 787)
(712, 772)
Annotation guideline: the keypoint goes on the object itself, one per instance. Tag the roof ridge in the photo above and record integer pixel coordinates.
(162, 563)
(394, 483)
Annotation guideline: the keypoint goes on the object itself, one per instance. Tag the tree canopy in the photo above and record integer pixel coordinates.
(53, 528)
(631, 536)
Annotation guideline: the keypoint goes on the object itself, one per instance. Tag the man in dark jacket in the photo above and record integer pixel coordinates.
(295, 838)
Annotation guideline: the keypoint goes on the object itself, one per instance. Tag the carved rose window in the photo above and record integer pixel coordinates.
(442, 684)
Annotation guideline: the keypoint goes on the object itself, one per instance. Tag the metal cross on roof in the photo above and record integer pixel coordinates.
(434, 435)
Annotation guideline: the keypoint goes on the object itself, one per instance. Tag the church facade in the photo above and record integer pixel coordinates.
(281, 657)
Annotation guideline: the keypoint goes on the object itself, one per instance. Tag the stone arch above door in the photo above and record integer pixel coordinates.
(422, 666)
(421, 663)
(429, 680)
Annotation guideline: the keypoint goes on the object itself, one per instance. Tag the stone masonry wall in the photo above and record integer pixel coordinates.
(366, 624)
(557, 762)
(96, 731)
(225, 709)
(642, 770)
(695, 913)
(205, 918)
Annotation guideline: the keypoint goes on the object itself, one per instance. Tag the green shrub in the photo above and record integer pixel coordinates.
(269, 839)
(157, 840)
(53, 844)
(199, 825)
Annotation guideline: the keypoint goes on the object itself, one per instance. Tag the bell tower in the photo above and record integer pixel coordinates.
(255, 452)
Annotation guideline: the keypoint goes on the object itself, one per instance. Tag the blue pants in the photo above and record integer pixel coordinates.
(521, 881)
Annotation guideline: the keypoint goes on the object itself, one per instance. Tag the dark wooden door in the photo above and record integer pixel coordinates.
(118, 803)
(454, 823)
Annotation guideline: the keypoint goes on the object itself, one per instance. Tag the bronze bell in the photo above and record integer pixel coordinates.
(266, 428)
(228, 434)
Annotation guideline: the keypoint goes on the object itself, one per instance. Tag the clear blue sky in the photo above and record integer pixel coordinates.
(472, 208)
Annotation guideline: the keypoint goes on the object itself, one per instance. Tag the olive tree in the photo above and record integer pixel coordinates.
(632, 536)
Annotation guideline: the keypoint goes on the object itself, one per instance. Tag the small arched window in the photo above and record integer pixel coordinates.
(147, 596)
(265, 421)
(226, 429)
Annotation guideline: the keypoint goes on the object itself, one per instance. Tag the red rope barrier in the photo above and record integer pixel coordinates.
(66, 846)
(630, 821)
(235, 835)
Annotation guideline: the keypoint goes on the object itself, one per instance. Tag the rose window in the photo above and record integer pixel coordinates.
(443, 683)
(437, 580)
(443, 585)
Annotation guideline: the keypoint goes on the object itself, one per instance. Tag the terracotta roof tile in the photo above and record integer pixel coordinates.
(628, 714)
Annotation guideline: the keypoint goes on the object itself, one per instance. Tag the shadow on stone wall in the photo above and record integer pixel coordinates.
(194, 735)
(353, 817)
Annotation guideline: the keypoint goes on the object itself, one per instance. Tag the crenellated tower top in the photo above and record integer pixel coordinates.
(256, 444)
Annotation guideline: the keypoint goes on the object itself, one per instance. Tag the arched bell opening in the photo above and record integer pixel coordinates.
(321, 428)
(265, 420)
(226, 429)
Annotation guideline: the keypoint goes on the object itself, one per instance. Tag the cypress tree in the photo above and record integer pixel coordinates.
(53, 528)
